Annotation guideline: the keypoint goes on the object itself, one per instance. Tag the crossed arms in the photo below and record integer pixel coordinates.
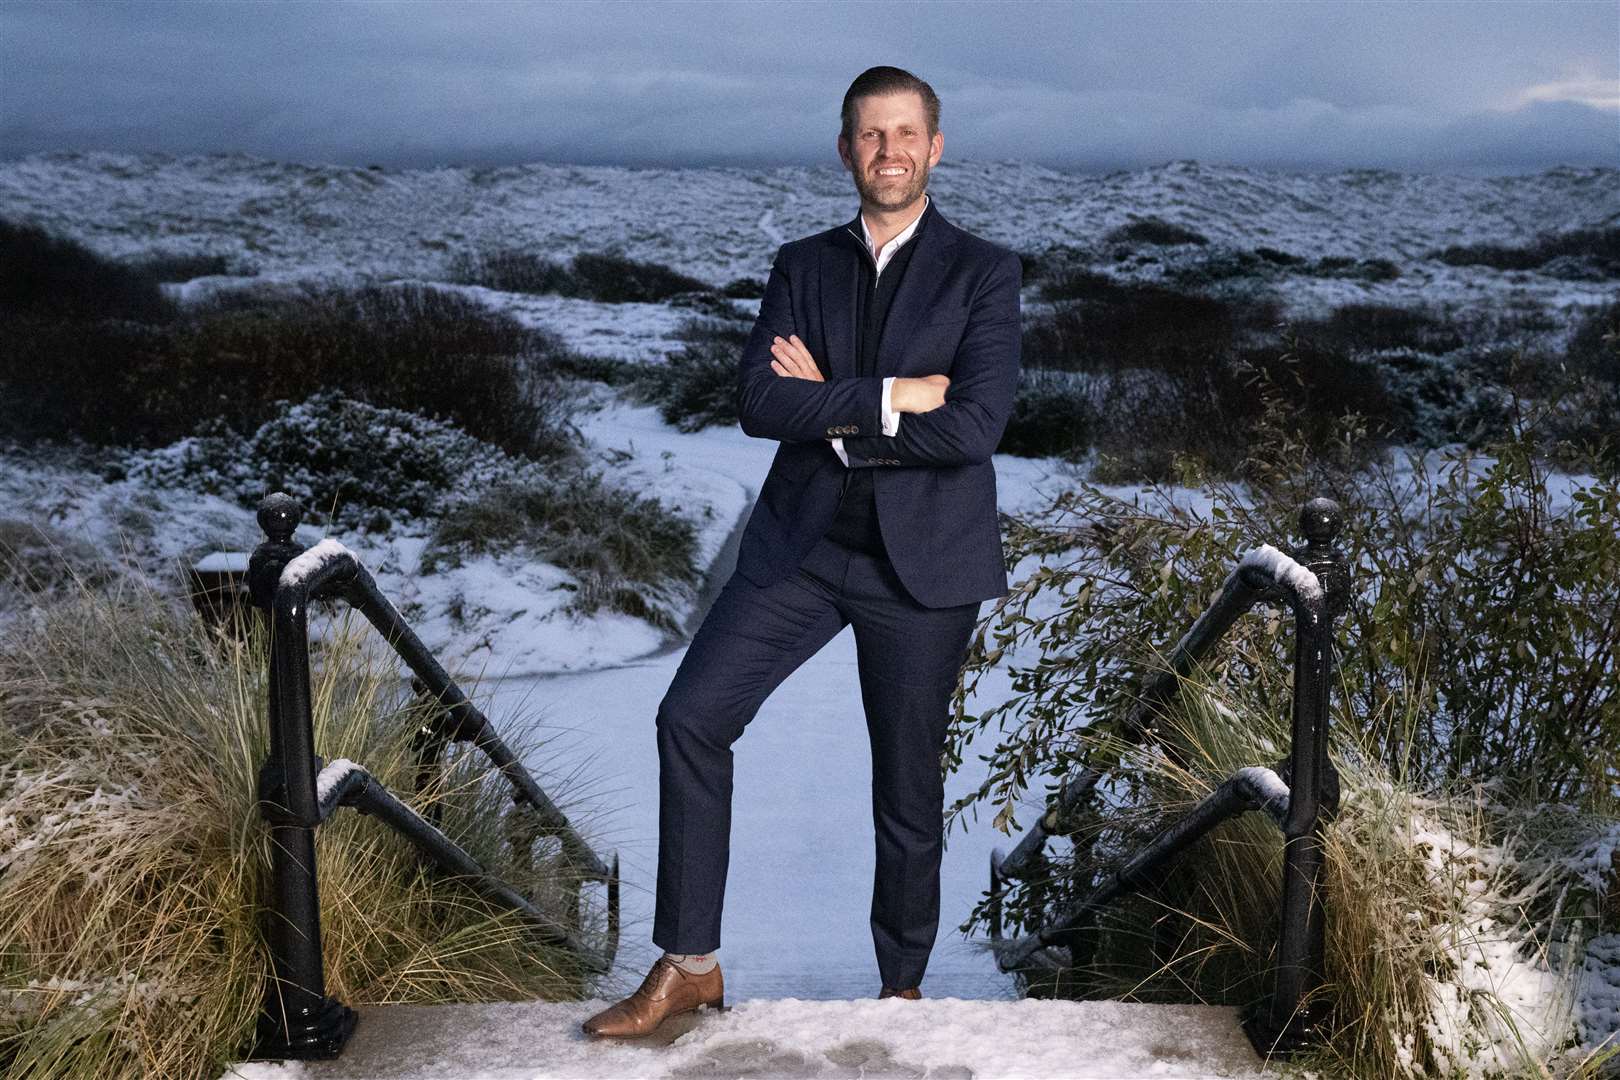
(955, 420)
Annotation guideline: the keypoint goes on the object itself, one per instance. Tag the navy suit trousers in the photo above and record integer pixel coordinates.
(909, 659)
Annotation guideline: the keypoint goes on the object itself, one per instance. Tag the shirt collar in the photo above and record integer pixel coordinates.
(901, 237)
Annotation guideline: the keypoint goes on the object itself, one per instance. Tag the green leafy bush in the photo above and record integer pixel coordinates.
(1480, 652)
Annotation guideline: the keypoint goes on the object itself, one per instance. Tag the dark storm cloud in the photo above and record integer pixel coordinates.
(1407, 86)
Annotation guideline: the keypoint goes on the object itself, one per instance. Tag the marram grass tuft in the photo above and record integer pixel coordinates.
(133, 857)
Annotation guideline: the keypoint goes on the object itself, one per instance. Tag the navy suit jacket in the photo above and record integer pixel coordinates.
(956, 312)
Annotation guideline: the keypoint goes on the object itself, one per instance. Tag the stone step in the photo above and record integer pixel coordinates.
(788, 1037)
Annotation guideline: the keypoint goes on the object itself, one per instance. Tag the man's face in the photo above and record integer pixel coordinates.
(891, 152)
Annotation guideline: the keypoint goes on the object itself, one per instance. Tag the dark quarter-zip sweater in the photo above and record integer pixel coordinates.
(856, 525)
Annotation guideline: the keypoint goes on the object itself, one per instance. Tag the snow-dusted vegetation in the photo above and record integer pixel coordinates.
(508, 391)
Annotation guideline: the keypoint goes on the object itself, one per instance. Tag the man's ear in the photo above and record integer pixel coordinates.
(936, 148)
(843, 153)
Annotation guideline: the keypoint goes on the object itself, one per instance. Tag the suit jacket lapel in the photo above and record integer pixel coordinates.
(915, 294)
(840, 277)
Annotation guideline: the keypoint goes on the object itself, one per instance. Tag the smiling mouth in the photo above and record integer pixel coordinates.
(891, 172)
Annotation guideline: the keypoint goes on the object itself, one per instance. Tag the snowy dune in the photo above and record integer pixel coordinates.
(290, 220)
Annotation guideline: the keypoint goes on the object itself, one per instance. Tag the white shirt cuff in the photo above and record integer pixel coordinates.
(891, 419)
(838, 448)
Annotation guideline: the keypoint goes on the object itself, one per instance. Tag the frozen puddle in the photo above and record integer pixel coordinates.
(788, 1037)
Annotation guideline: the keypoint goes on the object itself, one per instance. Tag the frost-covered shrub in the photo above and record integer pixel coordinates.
(351, 464)
(1343, 266)
(406, 346)
(744, 288)
(1152, 230)
(1277, 257)
(629, 553)
(1221, 263)
(235, 355)
(1444, 399)
(1597, 249)
(1383, 326)
(707, 304)
(696, 385)
(185, 265)
(1052, 416)
(1099, 323)
(600, 276)
(511, 270)
(1594, 347)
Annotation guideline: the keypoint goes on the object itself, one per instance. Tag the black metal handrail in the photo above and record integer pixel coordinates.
(298, 1019)
(1299, 795)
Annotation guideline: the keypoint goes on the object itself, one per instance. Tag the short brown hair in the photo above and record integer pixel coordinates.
(888, 80)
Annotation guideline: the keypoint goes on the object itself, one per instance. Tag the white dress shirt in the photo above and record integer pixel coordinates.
(891, 419)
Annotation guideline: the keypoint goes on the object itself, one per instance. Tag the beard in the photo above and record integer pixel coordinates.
(891, 196)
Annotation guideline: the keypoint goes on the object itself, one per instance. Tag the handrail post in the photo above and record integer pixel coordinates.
(297, 1019)
(1294, 1016)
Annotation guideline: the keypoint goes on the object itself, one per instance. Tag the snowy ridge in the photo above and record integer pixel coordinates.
(305, 220)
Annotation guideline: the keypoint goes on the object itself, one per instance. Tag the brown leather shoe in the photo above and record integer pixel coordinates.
(910, 994)
(666, 991)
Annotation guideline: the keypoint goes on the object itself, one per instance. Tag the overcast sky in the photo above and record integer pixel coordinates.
(1415, 85)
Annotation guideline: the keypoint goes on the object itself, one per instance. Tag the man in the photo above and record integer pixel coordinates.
(884, 361)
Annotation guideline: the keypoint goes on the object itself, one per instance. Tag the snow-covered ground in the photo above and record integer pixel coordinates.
(286, 220)
(939, 1039)
(796, 943)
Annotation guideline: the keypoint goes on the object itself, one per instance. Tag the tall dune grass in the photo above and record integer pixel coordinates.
(133, 858)
(1427, 906)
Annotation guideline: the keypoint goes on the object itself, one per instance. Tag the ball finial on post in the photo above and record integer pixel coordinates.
(1320, 521)
(279, 516)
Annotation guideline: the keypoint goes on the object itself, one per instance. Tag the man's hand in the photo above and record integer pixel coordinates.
(919, 395)
(793, 360)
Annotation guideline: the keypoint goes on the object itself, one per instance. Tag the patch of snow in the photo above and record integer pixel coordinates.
(1599, 1000)
(1267, 784)
(333, 775)
(937, 1037)
(1282, 569)
(222, 562)
(299, 570)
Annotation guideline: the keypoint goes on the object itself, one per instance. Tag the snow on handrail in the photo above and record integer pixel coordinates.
(1281, 568)
(299, 570)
